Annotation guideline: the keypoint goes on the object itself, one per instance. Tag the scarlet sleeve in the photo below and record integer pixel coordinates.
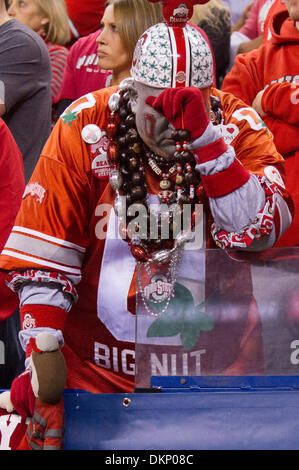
(252, 142)
(280, 129)
(281, 101)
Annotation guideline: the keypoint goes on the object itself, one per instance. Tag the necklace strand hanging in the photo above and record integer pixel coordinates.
(179, 182)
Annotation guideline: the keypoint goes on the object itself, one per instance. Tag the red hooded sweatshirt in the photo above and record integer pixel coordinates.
(275, 68)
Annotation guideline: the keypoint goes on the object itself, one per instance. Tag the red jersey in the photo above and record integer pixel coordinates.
(61, 228)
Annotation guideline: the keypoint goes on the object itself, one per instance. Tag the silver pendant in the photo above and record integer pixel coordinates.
(116, 179)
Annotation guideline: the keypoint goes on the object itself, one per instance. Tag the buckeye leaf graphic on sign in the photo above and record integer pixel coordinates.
(182, 317)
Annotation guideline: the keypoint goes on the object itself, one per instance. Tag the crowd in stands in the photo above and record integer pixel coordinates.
(49, 58)
(70, 31)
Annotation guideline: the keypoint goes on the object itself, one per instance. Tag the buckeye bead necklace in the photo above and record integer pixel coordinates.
(129, 157)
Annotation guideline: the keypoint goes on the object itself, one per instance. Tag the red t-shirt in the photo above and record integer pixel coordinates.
(82, 74)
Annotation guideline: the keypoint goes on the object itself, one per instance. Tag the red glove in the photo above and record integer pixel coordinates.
(184, 108)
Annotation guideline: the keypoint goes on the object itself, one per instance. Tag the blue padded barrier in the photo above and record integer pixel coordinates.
(227, 416)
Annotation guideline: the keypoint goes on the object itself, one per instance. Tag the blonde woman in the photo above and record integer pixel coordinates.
(49, 19)
(123, 22)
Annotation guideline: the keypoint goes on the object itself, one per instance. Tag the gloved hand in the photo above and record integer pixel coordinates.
(184, 108)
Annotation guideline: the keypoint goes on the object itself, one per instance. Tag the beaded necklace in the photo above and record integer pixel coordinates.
(179, 181)
(129, 157)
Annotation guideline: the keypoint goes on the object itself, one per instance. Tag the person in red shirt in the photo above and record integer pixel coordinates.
(250, 35)
(267, 79)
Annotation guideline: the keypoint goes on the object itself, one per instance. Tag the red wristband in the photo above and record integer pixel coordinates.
(38, 316)
(226, 181)
(210, 151)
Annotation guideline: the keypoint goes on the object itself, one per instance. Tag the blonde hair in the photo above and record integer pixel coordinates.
(133, 17)
(57, 30)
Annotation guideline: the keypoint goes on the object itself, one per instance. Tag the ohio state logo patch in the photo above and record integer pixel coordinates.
(181, 77)
(35, 190)
(28, 322)
(159, 289)
(180, 14)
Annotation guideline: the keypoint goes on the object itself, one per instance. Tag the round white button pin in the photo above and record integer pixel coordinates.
(91, 134)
